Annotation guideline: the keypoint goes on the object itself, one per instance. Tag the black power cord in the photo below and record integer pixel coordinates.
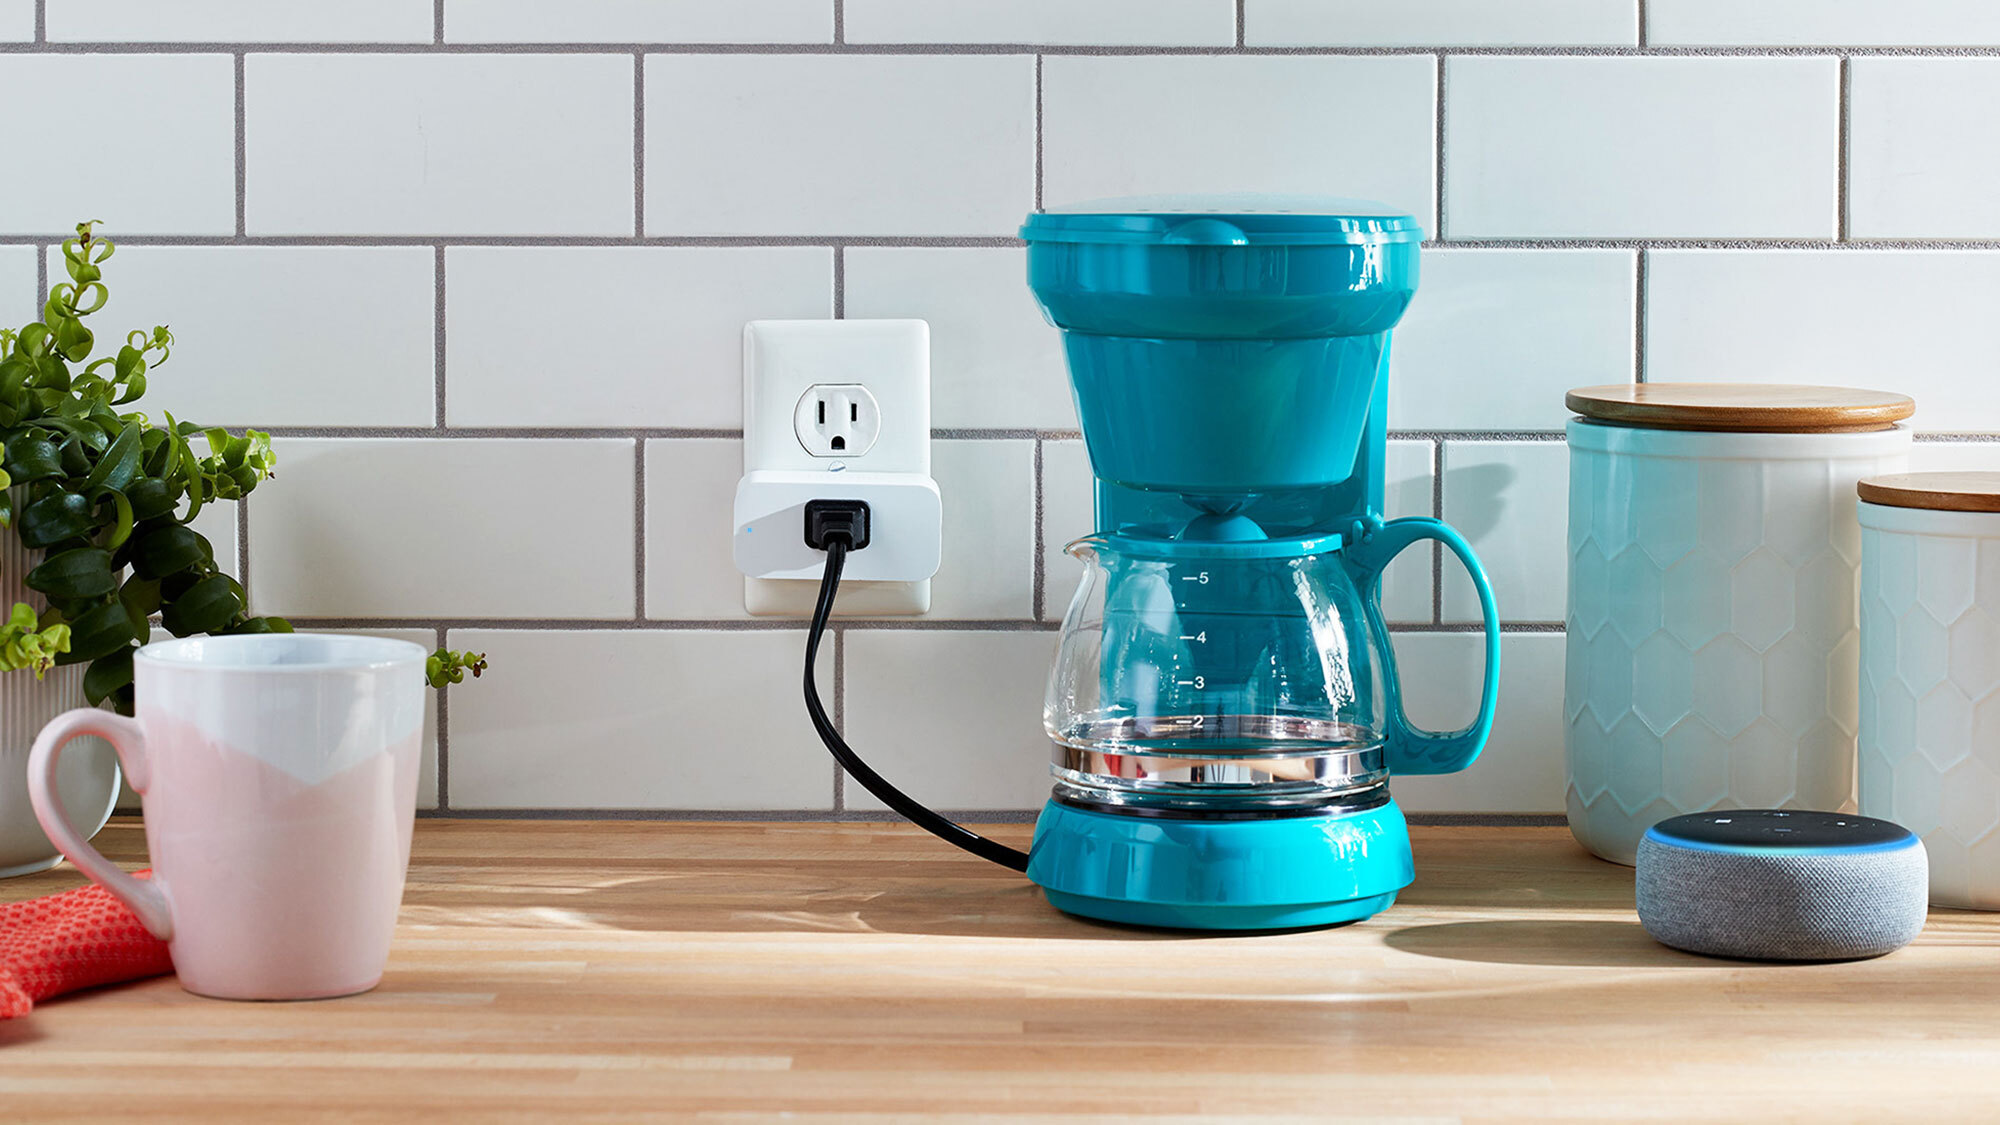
(837, 527)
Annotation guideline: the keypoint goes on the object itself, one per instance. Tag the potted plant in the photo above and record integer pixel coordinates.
(95, 504)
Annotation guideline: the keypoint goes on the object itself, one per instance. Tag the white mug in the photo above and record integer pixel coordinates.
(279, 773)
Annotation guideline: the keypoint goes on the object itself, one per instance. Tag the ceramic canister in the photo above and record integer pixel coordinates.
(1930, 672)
(1711, 632)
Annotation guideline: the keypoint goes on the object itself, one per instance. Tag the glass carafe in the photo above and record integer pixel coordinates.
(1235, 676)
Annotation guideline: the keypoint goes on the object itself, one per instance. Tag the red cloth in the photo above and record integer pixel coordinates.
(77, 939)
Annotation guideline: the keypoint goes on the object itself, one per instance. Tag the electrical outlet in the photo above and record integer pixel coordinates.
(837, 410)
(837, 420)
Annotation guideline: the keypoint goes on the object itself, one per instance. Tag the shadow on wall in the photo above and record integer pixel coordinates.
(1479, 497)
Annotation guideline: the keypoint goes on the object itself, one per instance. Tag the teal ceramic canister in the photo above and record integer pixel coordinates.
(1712, 630)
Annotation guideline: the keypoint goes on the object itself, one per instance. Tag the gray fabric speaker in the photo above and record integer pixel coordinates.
(1782, 885)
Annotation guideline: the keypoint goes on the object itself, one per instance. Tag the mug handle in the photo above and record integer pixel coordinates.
(1410, 749)
(128, 738)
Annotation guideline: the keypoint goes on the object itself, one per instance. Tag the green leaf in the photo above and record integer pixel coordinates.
(207, 606)
(31, 457)
(168, 550)
(141, 596)
(260, 625)
(82, 572)
(121, 527)
(55, 518)
(120, 462)
(76, 455)
(107, 674)
(100, 632)
(151, 497)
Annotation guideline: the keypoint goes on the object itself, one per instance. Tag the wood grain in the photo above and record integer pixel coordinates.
(588, 972)
(1945, 492)
(1742, 407)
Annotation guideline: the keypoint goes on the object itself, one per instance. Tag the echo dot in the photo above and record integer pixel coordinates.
(1782, 884)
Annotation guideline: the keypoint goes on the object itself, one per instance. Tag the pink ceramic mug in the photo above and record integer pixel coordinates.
(280, 777)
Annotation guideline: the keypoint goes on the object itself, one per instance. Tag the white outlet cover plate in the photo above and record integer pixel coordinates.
(782, 359)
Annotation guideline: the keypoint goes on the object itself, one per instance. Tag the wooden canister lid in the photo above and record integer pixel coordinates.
(1943, 492)
(1772, 408)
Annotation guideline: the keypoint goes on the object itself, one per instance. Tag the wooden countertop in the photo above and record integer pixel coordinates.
(582, 972)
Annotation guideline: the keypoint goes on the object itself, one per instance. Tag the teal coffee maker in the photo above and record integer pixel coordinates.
(1224, 710)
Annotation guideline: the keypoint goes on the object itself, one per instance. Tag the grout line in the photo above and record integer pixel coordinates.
(1841, 204)
(631, 433)
(839, 712)
(1040, 603)
(638, 142)
(1097, 50)
(795, 624)
(41, 21)
(839, 283)
(1642, 23)
(242, 163)
(1437, 549)
(639, 529)
(1239, 24)
(1640, 261)
(951, 241)
(438, 342)
(1437, 153)
(437, 22)
(20, 238)
(1038, 131)
(243, 548)
(41, 278)
(1863, 245)
(443, 735)
(839, 22)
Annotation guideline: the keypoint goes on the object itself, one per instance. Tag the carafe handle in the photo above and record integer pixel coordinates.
(1411, 749)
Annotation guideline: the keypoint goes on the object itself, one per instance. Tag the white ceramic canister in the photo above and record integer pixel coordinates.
(88, 779)
(1712, 625)
(1930, 672)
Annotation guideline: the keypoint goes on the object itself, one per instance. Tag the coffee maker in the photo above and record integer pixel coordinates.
(1224, 710)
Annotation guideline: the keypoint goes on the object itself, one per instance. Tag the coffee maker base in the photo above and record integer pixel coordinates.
(1194, 874)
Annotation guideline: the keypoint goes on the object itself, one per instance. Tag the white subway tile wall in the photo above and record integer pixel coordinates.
(483, 266)
(659, 322)
(1124, 125)
(157, 133)
(1823, 23)
(286, 335)
(1540, 147)
(1440, 23)
(1127, 23)
(1925, 148)
(239, 21)
(638, 21)
(17, 21)
(451, 144)
(774, 144)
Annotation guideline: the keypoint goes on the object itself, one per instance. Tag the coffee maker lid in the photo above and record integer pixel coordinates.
(1224, 220)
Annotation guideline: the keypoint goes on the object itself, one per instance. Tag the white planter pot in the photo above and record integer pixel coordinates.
(1712, 626)
(1930, 690)
(88, 773)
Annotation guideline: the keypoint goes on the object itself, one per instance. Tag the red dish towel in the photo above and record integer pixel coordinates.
(77, 939)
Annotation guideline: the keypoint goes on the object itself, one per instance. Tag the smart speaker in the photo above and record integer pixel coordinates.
(1782, 885)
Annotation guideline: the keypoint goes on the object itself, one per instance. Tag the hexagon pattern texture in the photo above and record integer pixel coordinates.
(1712, 626)
(1930, 697)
